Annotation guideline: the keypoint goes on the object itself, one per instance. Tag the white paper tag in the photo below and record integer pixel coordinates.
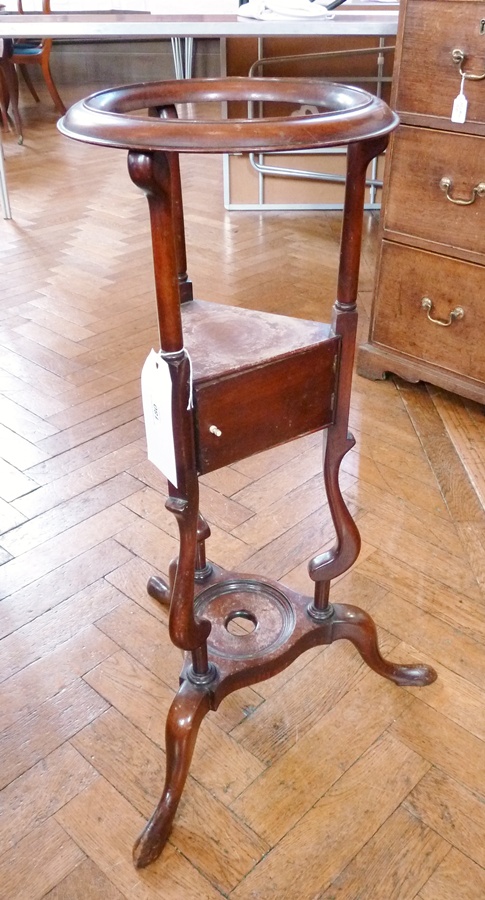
(156, 392)
(460, 105)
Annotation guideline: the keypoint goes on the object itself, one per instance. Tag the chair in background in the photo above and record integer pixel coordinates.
(236, 382)
(27, 53)
(9, 88)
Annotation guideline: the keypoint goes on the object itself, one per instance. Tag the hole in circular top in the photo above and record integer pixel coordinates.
(241, 622)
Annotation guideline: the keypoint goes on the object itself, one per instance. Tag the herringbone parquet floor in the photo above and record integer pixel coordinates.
(326, 782)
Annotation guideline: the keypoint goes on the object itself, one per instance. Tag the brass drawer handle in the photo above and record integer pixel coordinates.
(478, 191)
(457, 313)
(459, 57)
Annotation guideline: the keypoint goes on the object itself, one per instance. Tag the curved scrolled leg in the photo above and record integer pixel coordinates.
(185, 715)
(356, 626)
(159, 589)
(28, 81)
(46, 71)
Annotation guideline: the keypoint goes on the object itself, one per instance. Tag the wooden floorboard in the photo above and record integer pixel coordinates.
(325, 782)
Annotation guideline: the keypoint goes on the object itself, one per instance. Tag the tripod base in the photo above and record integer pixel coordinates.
(258, 628)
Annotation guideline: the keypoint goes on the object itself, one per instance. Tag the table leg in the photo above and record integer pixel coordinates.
(183, 56)
(7, 212)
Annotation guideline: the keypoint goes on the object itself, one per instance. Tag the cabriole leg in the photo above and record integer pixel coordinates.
(185, 715)
(357, 626)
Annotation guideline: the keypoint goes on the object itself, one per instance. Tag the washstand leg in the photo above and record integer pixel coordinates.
(203, 568)
(158, 588)
(357, 626)
(189, 707)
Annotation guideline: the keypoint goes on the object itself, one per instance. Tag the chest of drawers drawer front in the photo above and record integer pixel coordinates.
(400, 322)
(429, 79)
(432, 176)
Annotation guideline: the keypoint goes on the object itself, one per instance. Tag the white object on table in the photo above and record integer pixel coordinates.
(284, 9)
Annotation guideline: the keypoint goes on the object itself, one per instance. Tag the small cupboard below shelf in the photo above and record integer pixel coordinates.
(428, 315)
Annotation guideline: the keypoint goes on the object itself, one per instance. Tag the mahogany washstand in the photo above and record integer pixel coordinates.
(244, 381)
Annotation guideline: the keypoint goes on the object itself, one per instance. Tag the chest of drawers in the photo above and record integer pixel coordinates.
(428, 315)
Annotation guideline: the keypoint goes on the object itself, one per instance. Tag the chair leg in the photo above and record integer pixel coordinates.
(3, 113)
(189, 707)
(3, 98)
(59, 105)
(12, 86)
(28, 81)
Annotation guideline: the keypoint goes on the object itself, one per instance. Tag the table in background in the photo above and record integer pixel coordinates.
(355, 20)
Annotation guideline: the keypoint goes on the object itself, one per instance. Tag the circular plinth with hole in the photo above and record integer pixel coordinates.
(249, 619)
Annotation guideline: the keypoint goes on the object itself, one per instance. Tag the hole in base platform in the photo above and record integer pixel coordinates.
(241, 622)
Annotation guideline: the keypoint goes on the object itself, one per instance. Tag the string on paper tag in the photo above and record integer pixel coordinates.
(190, 404)
(460, 105)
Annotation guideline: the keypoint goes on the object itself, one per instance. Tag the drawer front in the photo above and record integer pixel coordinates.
(428, 167)
(400, 322)
(429, 79)
(265, 405)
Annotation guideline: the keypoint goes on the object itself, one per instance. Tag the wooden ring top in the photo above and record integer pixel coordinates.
(321, 114)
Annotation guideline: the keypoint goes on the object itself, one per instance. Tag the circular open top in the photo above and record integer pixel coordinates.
(345, 114)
